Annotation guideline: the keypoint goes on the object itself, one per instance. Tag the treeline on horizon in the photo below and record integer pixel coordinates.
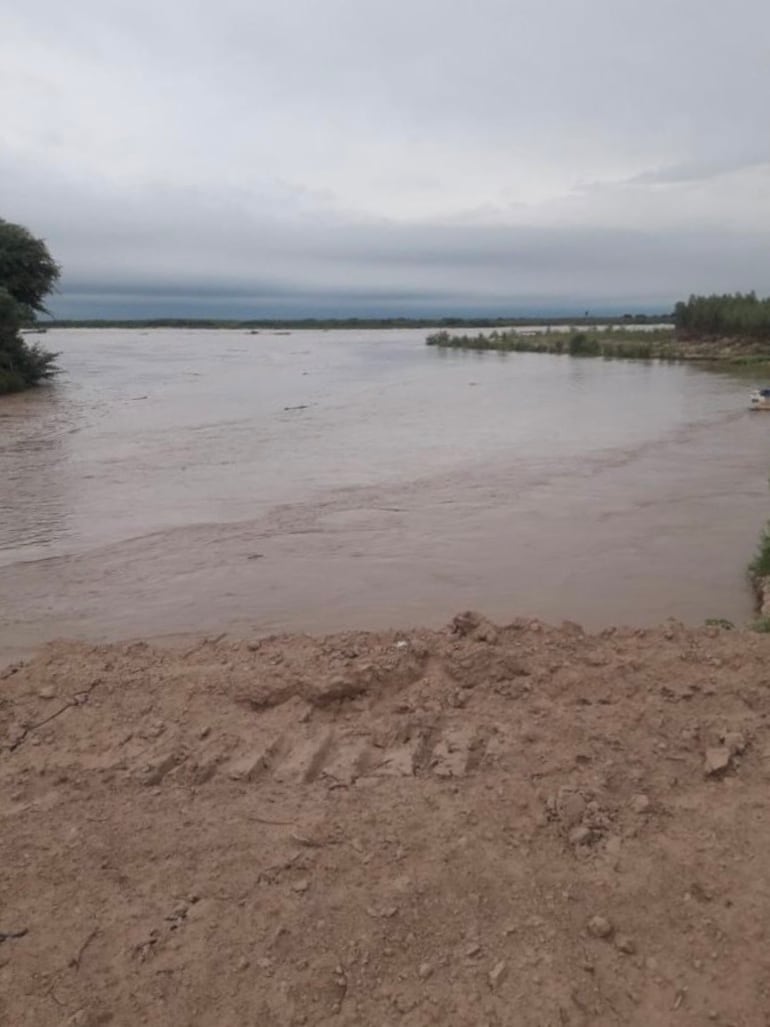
(731, 314)
(272, 324)
(738, 315)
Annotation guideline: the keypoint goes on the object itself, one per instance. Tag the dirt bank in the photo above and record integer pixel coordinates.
(728, 349)
(518, 826)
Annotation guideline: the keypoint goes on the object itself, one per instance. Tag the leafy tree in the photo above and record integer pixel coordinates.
(28, 274)
(739, 314)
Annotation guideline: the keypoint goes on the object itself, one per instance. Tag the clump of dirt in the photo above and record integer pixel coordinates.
(486, 825)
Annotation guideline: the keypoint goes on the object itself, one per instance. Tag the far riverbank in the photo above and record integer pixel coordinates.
(655, 342)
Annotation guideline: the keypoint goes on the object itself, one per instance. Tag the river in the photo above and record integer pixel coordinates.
(184, 480)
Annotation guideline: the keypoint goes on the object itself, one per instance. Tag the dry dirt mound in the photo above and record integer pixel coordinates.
(517, 826)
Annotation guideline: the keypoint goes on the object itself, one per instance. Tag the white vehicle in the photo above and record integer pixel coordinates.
(760, 399)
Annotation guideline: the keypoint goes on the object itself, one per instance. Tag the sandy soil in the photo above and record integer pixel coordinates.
(479, 826)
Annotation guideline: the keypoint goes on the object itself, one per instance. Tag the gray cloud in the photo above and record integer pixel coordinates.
(388, 156)
(694, 171)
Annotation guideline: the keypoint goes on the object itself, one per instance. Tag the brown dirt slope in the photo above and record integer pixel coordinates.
(481, 826)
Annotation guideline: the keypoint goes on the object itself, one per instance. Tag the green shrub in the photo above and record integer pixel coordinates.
(720, 622)
(760, 565)
(583, 345)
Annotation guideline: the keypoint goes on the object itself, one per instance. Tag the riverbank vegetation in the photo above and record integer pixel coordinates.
(760, 565)
(610, 342)
(28, 274)
(732, 328)
(759, 573)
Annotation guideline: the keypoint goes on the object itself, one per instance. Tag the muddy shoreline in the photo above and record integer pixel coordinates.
(517, 824)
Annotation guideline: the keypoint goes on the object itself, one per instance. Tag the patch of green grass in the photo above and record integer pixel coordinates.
(720, 622)
(761, 625)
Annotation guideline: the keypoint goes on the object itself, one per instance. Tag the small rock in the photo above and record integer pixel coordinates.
(243, 964)
(337, 689)
(571, 808)
(640, 804)
(625, 944)
(716, 760)
(735, 743)
(425, 971)
(614, 846)
(47, 693)
(301, 886)
(382, 914)
(464, 623)
(579, 835)
(486, 633)
(497, 974)
(599, 927)
(204, 731)
(158, 769)
(473, 950)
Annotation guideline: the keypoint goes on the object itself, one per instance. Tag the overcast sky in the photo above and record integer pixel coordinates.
(277, 157)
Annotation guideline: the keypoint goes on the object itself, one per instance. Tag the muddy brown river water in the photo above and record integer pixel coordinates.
(175, 481)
